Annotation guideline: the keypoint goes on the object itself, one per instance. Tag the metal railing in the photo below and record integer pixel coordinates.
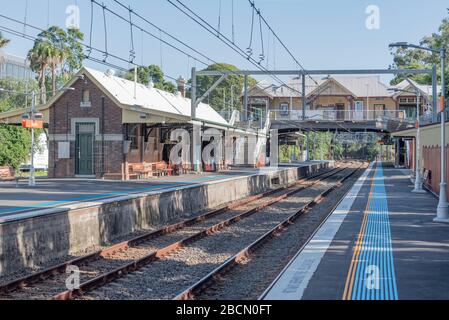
(336, 115)
(255, 121)
(428, 119)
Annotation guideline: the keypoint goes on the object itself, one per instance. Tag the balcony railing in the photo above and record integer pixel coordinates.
(336, 115)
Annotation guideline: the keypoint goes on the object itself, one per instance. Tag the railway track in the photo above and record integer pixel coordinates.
(168, 276)
(114, 262)
(220, 274)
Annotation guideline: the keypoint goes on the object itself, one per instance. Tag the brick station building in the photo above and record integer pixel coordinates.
(107, 123)
(104, 124)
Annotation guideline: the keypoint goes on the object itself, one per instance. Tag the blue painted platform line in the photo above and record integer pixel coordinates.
(371, 275)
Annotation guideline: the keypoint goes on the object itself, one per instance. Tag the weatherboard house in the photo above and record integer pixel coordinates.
(105, 124)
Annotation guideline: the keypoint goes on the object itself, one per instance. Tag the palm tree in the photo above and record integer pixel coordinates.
(3, 41)
(56, 59)
(58, 39)
(40, 57)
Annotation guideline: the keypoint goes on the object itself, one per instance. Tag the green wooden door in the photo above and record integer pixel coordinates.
(84, 150)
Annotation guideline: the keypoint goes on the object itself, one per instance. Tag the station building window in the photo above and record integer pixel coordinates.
(85, 102)
(134, 137)
(284, 109)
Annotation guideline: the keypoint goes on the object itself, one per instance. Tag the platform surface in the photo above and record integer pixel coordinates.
(379, 244)
(53, 193)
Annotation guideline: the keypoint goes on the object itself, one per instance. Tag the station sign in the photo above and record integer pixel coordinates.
(32, 124)
(34, 121)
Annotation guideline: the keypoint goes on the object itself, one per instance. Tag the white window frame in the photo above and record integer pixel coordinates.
(282, 111)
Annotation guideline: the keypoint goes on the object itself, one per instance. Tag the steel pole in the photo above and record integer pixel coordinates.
(32, 179)
(304, 105)
(245, 99)
(434, 94)
(418, 177)
(193, 115)
(443, 206)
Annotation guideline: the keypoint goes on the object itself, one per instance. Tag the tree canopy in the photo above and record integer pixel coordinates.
(415, 58)
(11, 101)
(3, 41)
(58, 52)
(220, 98)
(15, 143)
(153, 72)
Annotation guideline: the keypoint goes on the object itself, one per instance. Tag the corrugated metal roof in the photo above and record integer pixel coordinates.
(153, 99)
(426, 89)
(293, 88)
(360, 86)
(364, 86)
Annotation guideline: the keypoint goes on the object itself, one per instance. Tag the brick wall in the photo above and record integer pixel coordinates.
(67, 108)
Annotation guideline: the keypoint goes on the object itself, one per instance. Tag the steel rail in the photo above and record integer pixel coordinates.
(158, 254)
(43, 275)
(217, 274)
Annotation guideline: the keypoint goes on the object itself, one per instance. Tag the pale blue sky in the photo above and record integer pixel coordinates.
(321, 33)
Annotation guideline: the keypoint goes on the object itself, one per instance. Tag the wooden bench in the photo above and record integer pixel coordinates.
(141, 170)
(162, 169)
(8, 174)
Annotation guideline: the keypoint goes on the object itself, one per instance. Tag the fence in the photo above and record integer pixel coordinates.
(336, 115)
(432, 167)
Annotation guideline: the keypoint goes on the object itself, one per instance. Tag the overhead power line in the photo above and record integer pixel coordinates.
(258, 11)
(107, 9)
(162, 31)
(88, 48)
(223, 38)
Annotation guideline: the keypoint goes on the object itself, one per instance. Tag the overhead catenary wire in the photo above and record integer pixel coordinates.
(25, 16)
(207, 26)
(232, 21)
(195, 60)
(252, 3)
(165, 33)
(219, 17)
(148, 32)
(262, 55)
(89, 50)
(105, 34)
(249, 50)
(93, 59)
(132, 52)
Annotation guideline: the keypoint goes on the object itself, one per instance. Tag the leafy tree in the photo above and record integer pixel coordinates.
(3, 41)
(372, 151)
(320, 145)
(231, 86)
(153, 72)
(15, 143)
(59, 51)
(74, 51)
(40, 58)
(11, 101)
(415, 58)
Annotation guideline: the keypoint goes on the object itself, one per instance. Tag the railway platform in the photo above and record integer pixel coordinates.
(60, 218)
(379, 244)
(22, 201)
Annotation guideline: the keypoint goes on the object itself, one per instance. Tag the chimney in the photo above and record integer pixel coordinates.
(181, 82)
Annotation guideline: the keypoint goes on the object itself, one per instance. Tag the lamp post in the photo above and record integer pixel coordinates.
(443, 205)
(33, 114)
(418, 176)
(32, 178)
